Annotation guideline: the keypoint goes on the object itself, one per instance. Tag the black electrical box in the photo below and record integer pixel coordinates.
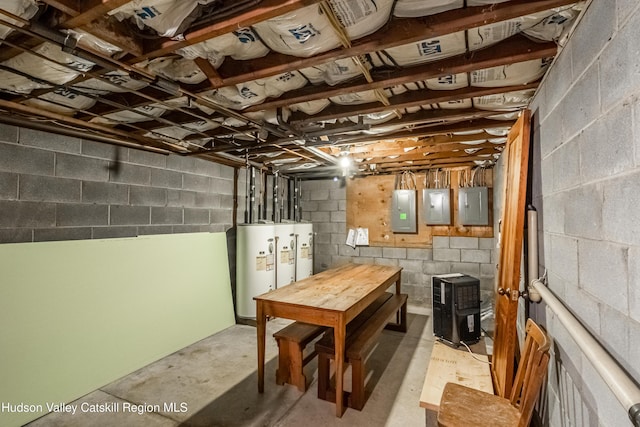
(456, 308)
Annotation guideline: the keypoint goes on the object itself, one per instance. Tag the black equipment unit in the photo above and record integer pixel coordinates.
(456, 308)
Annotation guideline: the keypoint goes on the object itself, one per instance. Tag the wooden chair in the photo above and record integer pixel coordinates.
(463, 406)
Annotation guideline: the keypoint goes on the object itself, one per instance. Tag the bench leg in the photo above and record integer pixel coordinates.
(324, 375)
(282, 373)
(357, 384)
(401, 320)
(290, 365)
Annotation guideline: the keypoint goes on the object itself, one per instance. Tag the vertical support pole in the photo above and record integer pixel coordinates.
(235, 197)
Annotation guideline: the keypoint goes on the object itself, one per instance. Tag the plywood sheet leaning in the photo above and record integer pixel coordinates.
(76, 315)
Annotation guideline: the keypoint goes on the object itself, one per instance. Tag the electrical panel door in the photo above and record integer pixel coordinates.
(473, 206)
(436, 206)
(403, 212)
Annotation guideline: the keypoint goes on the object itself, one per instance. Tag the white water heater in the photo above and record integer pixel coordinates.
(304, 258)
(255, 265)
(285, 254)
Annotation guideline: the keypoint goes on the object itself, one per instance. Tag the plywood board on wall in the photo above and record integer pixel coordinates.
(369, 205)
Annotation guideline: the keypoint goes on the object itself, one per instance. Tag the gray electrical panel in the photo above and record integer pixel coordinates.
(403, 211)
(473, 206)
(436, 206)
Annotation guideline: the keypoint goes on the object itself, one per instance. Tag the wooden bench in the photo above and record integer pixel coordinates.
(362, 334)
(292, 340)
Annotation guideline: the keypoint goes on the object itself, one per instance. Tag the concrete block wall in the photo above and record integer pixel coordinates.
(55, 187)
(324, 203)
(586, 184)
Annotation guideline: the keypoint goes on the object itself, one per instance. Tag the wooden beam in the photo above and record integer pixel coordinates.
(419, 153)
(511, 51)
(209, 70)
(427, 154)
(436, 130)
(399, 31)
(91, 10)
(267, 9)
(406, 100)
(432, 163)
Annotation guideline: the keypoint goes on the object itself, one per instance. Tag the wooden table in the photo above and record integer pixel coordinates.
(457, 366)
(331, 298)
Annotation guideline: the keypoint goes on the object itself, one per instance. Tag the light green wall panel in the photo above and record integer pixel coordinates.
(77, 315)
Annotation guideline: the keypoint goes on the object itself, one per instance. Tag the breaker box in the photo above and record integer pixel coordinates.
(456, 308)
(403, 211)
(473, 206)
(436, 206)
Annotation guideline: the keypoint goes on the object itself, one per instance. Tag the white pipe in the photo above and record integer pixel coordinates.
(532, 255)
(625, 390)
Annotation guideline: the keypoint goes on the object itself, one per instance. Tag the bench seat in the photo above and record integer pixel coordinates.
(362, 334)
(292, 340)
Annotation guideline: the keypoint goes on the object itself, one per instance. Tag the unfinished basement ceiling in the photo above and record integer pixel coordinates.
(291, 85)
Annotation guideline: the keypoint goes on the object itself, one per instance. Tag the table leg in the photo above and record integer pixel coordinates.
(398, 283)
(339, 340)
(261, 321)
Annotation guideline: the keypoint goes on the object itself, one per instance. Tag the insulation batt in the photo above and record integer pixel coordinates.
(46, 70)
(334, 72)
(239, 96)
(164, 16)
(308, 31)
(546, 25)
(510, 75)
(180, 69)
(139, 114)
(416, 8)
(23, 8)
(62, 101)
(422, 51)
(255, 92)
(311, 107)
(240, 44)
(113, 81)
(173, 133)
(504, 101)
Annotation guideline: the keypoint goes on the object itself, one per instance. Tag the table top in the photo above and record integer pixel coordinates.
(336, 289)
(457, 366)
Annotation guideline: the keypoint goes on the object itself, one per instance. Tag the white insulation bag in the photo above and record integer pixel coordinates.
(504, 101)
(509, 75)
(423, 51)
(23, 8)
(62, 101)
(139, 114)
(309, 31)
(113, 81)
(239, 96)
(164, 16)
(241, 44)
(38, 67)
(311, 107)
(546, 25)
(415, 8)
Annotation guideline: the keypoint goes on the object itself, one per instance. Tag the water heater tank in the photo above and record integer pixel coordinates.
(304, 258)
(255, 266)
(285, 254)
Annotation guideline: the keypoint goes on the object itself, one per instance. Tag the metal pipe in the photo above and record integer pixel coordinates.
(252, 193)
(625, 390)
(275, 207)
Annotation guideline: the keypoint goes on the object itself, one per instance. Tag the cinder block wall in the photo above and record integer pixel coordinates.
(55, 187)
(324, 203)
(587, 187)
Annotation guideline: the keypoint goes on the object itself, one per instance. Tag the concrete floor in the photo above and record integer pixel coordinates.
(214, 383)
